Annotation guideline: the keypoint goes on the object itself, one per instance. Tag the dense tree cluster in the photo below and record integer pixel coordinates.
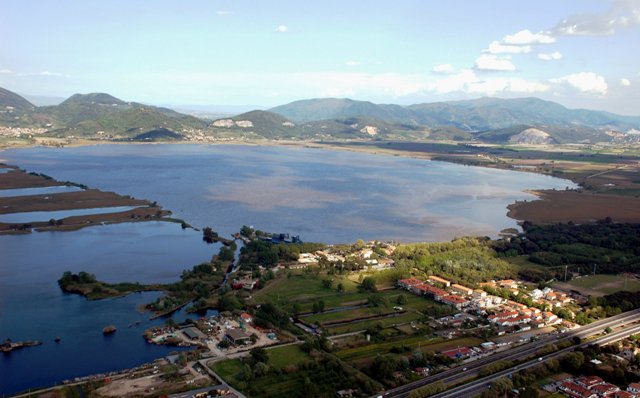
(268, 254)
(610, 248)
(470, 260)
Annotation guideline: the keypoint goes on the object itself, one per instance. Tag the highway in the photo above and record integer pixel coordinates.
(455, 375)
(474, 388)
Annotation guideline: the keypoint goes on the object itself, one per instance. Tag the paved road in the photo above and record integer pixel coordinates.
(474, 388)
(473, 368)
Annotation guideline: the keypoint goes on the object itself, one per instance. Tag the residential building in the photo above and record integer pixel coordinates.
(237, 336)
(462, 290)
(408, 283)
(454, 301)
(458, 353)
(575, 391)
(437, 279)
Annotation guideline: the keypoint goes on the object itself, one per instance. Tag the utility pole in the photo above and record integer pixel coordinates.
(594, 269)
(565, 272)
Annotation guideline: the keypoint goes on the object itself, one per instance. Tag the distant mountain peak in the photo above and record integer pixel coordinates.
(93, 98)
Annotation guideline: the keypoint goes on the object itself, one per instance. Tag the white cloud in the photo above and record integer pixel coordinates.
(456, 82)
(352, 63)
(53, 74)
(498, 48)
(468, 82)
(506, 85)
(492, 62)
(526, 37)
(621, 14)
(5, 71)
(554, 56)
(222, 12)
(625, 82)
(443, 68)
(282, 29)
(585, 82)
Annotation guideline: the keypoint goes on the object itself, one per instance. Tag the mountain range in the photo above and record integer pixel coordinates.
(493, 120)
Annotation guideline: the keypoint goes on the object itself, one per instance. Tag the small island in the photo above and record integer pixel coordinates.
(86, 284)
(9, 345)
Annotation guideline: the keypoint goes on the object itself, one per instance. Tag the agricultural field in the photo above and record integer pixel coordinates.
(289, 374)
(600, 285)
(305, 289)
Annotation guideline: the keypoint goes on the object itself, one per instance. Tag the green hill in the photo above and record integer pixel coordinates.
(473, 115)
(13, 100)
(270, 125)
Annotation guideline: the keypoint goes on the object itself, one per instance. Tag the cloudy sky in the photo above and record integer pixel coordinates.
(580, 53)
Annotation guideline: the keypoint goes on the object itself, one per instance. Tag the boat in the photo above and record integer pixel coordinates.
(109, 329)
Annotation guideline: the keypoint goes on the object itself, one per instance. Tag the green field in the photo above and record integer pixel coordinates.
(306, 289)
(604, 284)
(286, 381)
(384, 322)
(433, 345)
(287, 356)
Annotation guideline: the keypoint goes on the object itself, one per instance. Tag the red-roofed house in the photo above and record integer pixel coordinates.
(622, 394)
(455, 301)
(605, 389)
(407, 283)
(576, 391)
(634, 388)
(588, 381)
(502, 316)
(458, 353)
(246, 318)
(429, 290)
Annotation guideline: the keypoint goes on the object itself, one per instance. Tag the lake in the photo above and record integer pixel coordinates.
(325, 196)
(321, 195)
(32, 306)
(38, 191)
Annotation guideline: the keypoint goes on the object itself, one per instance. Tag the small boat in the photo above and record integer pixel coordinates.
(108, 329)
(57, 339)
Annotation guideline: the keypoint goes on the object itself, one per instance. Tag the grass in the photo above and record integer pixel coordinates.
(286, 383)
(606, 284)
(305, 289)
(433, 345)
(227, 369)
(347, 314)
(286, 356)
(384, 322)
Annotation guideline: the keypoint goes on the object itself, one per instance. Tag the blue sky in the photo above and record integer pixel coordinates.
(581, 53)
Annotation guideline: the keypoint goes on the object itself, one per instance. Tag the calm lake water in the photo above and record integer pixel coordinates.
(37, 191)
(32, 306)
(321, 195)
(33, 216)
(326, 196)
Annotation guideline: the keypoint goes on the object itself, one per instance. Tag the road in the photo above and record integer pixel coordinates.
(474, 388)
(473, 368)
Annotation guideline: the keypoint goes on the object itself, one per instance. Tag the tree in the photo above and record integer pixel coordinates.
(340, 287)
(402, 299)
(208, 235)
(368, 284)
(327, 283)
(502, 386)
(259, 355)
(225, 254)
(573, 360)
